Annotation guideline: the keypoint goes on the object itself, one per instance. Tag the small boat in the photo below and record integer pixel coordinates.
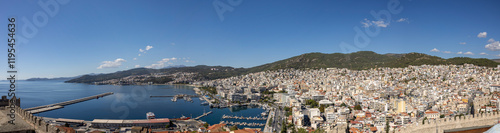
(263, 113)
(204, 103)
(150, 115)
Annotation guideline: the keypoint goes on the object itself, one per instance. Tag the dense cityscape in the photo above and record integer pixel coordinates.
(367, 100)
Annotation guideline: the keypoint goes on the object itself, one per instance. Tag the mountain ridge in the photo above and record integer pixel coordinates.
(357, 61)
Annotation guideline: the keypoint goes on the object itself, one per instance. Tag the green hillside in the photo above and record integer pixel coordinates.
(357, 61)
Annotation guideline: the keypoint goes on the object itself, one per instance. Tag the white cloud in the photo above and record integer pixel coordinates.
(161, 63)
(498, 55)
(367, 23)
(483, 53)
(380, 23)
(403, 20)
(469, 53)
(172, 43)
(463, 43)
(434, 50)
(111, 64)
(146, 49)
(459, 52)
(135, 58)
(446, 52)
(136, 66)
(139, 54)
(149, 47)
(482, 35)
(493, 45)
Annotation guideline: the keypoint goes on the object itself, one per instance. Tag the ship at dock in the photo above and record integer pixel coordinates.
(183, 118)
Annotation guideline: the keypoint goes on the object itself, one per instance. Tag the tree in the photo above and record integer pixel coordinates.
(283, 127)
(233, 128)
(313, 103)
(292, 128)
(357, 107)
(441, 116)
(205, 125)
(322, 108)
(319, 130)
(343, 105)
(302, 130)
(270, 122)
(423, 121)
(387, 127)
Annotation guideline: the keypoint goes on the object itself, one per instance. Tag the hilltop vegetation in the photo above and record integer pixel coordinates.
(357, 61)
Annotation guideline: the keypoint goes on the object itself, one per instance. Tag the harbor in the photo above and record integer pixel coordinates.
(123, 97)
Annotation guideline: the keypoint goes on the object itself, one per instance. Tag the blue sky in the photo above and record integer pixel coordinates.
(95, 36)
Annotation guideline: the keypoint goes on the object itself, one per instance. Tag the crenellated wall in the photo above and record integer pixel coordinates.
(440, 125)
(40, 125)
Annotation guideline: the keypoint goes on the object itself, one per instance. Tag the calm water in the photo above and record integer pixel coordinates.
(127, 102)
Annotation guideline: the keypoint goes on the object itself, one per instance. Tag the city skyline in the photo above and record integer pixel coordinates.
(103, 37)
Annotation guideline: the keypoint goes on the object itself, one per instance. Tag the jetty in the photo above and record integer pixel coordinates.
(178, 96)
(49, 107)
(204, 114)
(243, 118)
(253, 124)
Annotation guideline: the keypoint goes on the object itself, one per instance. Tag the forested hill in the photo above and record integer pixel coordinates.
(357, 61)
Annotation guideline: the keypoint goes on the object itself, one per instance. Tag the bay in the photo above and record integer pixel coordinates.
(127, 102)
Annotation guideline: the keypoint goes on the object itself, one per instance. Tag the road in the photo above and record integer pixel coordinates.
(278, 116)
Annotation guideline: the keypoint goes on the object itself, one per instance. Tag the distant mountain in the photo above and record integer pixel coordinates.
(174, 66)
(42, 79)
(204, 73)
(59, 78)
(496, 60)
(357, 61)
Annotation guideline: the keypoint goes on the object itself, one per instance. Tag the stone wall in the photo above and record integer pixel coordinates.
(480, 101)
(340, 129)
(441, 125)
(39, 124)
